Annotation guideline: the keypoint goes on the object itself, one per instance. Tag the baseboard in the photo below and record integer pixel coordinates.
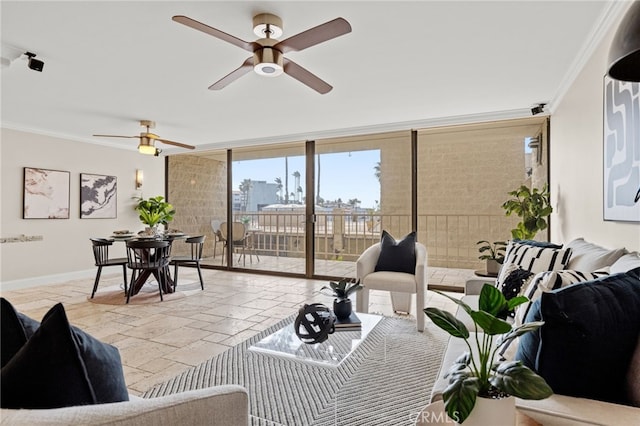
(46, 280)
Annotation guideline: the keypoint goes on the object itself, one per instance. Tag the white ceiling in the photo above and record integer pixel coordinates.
(404, 65)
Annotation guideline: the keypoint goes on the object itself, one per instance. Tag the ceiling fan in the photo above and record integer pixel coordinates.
(268, 52)
(148, 140)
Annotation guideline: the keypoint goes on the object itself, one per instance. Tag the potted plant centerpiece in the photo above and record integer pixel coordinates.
(533, 206)
(493, 254)
(478, 385)
(154, 211)
(341, 291)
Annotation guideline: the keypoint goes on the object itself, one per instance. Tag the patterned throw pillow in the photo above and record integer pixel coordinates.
(545, 282)
(530, 258)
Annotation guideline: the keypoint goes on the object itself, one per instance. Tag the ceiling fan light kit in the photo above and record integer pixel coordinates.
(146, 147)
(268, 52)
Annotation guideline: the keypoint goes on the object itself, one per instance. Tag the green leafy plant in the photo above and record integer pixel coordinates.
(154, 211)
(473, 376)
(492, 251)
(533, 206)
(342, 289)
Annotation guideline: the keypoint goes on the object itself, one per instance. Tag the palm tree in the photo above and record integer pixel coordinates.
(353, 202)
(278, 182)
(286, 180)
(245, 186)
(378, 171)
(318, 197)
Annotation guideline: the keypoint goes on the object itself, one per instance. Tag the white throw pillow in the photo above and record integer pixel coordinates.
(589, 257)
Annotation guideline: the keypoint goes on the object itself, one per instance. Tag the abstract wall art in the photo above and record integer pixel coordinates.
(621, 150)
(98, 196)
(46, 194)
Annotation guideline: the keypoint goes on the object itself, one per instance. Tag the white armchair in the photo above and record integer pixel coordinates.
(400, 284)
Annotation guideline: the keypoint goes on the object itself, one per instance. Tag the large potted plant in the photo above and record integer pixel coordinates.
(477, 381)
(341, 290)
(493, 254)
(155, 211)
(533, 206)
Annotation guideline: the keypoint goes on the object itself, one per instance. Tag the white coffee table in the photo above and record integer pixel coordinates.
(331, 353)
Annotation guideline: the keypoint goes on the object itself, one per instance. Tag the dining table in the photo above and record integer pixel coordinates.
(167, 282)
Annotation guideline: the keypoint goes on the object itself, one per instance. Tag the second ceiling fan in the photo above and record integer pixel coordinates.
(268, 52)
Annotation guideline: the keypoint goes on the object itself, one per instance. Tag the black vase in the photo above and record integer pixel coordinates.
(342, 308)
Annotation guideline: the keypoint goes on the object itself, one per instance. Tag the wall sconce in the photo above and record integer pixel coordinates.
(139, 178)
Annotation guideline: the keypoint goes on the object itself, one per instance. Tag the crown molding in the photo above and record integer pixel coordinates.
(370, 129)
(611, 14)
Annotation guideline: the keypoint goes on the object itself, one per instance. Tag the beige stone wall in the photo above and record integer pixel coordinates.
(197, 189)
(464, 176)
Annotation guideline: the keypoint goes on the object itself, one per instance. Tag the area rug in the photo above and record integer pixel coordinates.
(114, 295)
(387, 380)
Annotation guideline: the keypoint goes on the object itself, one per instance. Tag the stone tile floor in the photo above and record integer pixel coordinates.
(159, 340)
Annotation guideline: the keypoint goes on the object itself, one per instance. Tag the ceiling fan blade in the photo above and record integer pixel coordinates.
(305, 77)
(182, 145)
(315, 35)
(233, 75)
(246, 45)
(115, 136)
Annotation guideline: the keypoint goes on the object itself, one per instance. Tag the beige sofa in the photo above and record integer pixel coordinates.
(226, 405)
(559, 409)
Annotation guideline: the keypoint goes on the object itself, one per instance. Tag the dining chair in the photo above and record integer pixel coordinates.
(148, 257)
(101, 256)
(197, 246)
(239, 235)
(215, 225)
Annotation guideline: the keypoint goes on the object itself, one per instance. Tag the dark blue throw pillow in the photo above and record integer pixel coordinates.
(15, 329)
(589, 336)
(397, 256)
(61, 366)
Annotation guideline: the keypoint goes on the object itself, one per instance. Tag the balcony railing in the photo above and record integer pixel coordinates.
(450, 239)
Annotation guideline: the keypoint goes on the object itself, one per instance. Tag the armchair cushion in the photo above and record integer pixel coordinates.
(397, 256)
(62, 366)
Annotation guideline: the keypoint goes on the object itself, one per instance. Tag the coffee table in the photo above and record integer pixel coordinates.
(331, 353)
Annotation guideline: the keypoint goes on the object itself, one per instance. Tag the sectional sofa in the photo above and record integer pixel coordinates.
(583, 259)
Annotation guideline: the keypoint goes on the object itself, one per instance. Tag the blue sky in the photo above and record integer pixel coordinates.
(343, 175)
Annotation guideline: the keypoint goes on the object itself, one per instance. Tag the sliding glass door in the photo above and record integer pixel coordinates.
(268, 193)
(362, 186)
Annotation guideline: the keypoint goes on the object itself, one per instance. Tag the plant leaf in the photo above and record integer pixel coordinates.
(516, 301)
(491, 300)
(448, 322)
(460, 397)
(519, 331)
(489, 323)
(515, 379)
(459, 302)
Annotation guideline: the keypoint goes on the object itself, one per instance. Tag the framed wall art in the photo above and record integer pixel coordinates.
(98, 196)
(621, 150)
(46, 194)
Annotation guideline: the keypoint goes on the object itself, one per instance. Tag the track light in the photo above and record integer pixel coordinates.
(34, 64)
(537, 109)
(624, 53)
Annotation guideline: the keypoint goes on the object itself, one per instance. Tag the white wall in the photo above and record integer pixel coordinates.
(577, 163)
(65, 248)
